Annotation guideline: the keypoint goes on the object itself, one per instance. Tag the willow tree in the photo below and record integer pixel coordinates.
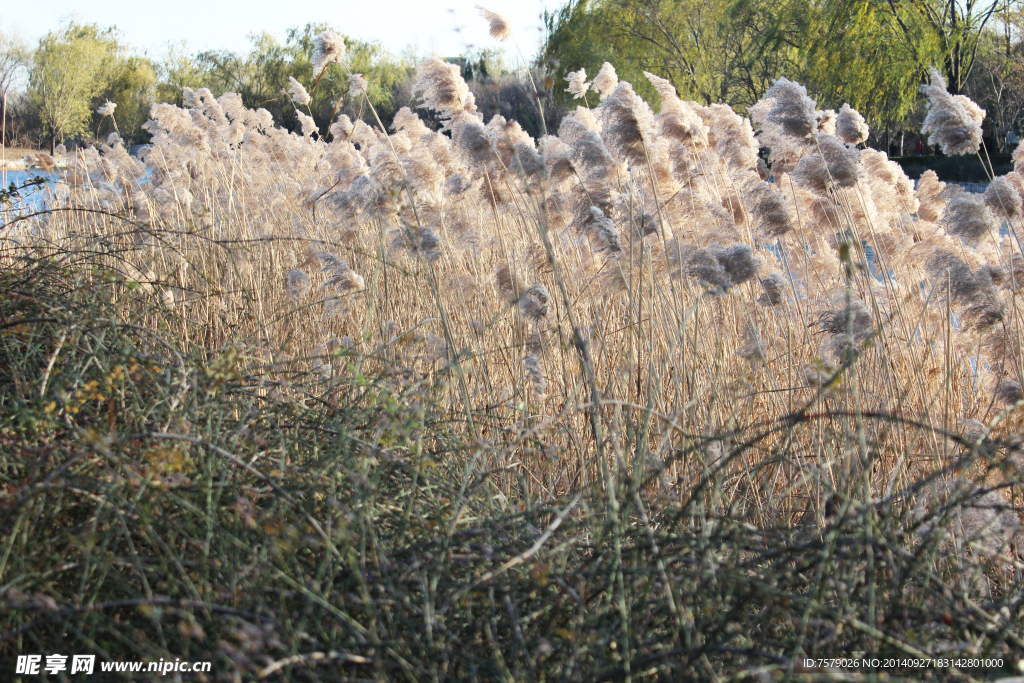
(904, 37)
(131, 84)
(711, 50)
(854, 52)
(69, 68)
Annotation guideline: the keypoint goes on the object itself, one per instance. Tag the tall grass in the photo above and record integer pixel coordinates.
(624, 403)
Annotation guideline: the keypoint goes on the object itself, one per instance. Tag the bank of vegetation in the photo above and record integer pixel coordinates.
(438, 398)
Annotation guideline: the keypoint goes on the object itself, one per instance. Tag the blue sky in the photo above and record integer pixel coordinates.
(444, 27)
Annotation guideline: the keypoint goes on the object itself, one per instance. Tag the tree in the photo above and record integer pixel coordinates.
(176, 71)
(853, 52)
(711, 50)
(68, 70)
(13, 57)
(261, 76)
(941, 33)
(998, 81)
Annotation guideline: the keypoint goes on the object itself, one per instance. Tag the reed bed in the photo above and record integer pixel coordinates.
(628, 402)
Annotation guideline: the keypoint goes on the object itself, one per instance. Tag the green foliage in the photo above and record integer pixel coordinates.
(582, 34)
(76, 69)
(261, 76)
(855, 52)
(131, 85)
(711, 50)
(177, 70)
(69, 69)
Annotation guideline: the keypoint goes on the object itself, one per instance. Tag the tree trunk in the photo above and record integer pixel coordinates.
(3, 142)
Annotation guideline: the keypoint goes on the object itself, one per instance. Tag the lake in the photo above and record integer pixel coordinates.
(31, 197)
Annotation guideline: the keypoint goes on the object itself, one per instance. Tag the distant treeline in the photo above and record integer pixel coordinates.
(54, 89)
(873, 56)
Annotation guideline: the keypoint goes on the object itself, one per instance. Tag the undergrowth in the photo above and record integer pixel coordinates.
(165, 500)
(625, 403)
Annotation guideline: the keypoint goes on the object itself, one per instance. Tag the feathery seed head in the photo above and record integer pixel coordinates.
(789, 108)
(578, 84)
(704, 266)
(851, 318)
(768, 206)
(441, 88)
(774, 290)
(833, 164)
(533, 304)
(408, 122)
(851, 126)
(966, 287)
(475, 140)
(1009, 391)
(339, 274)
(499, 28)
(826, 121)
(738, 261)
(627, 124)
(931, 194)
(535, 373)
(606, 80)
(604, 231)
(297, 284)
(328, 48)
(418, 240)
(307, 123)
(107, 109)
(298, 92)
(1002, 198)
(953, 122)
(731, 136)
(1018, 158)
(677, 119)
(966, 216)
(356, 85)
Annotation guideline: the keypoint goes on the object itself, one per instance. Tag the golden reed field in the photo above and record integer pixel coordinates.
(655, 362)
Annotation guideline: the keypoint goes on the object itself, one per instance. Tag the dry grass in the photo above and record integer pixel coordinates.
(608, 407)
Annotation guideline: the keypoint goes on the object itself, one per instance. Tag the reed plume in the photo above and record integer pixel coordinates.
(606, 80)
(498, 25)
(953, 121)
(578, 83)
(298, 93)
(851, 126)
(328, 48)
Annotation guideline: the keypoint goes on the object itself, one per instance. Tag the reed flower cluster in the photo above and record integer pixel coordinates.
(567, 289)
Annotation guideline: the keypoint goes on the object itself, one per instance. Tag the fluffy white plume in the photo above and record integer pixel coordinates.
(499, 28)
(328, 48)
(851, 126)
(578, 84)
(606, 80)
(953, 122)
(356, 85)
(440, 87)
(298, 92)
